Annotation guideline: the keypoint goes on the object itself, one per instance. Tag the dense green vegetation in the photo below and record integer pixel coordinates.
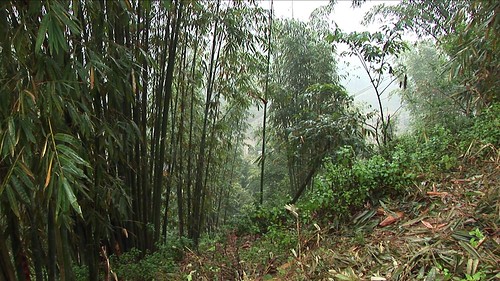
(125, 152)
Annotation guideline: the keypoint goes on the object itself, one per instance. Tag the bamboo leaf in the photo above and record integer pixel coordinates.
(9, 174)
(42, 31)
(18, 187)
(69, 167)
(70, 153)
(66, 18)
(26, 170)
(57, 40)
(70, 195)
(10, 136)
(2, 154)
(59, 196)
(461, 235)
(469, 249)
(92, 79)
(27, 127)
(49, 172)
(67, 139)
(12, 201)
(45, 147)
(27, 181)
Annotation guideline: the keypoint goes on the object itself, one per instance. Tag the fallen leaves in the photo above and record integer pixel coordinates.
(390, 219)
(436, 193)
(430, 226)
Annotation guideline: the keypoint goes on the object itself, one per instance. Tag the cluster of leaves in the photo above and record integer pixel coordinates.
(467, 31)
(484, 129)
(130, 266)
(440, 149)
(428, 152)
(277, 230)
(139, 265)
(258, 221)
(348, 183)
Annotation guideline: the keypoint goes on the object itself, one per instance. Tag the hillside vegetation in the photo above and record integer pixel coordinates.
(125, 152)
(440, 221)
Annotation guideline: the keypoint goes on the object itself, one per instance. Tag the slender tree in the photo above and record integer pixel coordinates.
(264, 101)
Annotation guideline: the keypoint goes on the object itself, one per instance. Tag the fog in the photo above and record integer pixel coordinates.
(356, 81)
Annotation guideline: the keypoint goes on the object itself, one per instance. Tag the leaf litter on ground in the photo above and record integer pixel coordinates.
(447, 230)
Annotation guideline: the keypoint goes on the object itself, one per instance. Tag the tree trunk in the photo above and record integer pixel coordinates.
(51, 245)
(264, 101)
(189, 182)
(166, 102)
(199, 182)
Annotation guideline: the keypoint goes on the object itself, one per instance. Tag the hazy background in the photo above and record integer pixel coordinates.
(356, 82)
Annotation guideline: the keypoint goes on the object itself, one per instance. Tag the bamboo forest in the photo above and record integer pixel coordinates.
(220, 140)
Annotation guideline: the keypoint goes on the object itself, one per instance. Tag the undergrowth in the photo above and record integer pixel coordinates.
(426, 208)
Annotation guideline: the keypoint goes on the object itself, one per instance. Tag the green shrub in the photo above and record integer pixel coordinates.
(259, 220)
(427, 152)
(482, 133)
(81, 272)
(134, 265)
(347, 183)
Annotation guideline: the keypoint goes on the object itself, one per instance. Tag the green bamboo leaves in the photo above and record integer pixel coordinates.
(68, 169)
(53, 28)
(9, 139)
(9, 184)
(100, 114)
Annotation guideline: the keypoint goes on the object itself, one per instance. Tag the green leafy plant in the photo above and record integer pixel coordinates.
(474, 277)
(348, 183)
(445, 271)
(477, 236)
(482, 138)
(137, 265)
(430, 151)
(81, 272)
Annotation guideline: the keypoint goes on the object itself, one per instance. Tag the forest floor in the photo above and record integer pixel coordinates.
(446, 228)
